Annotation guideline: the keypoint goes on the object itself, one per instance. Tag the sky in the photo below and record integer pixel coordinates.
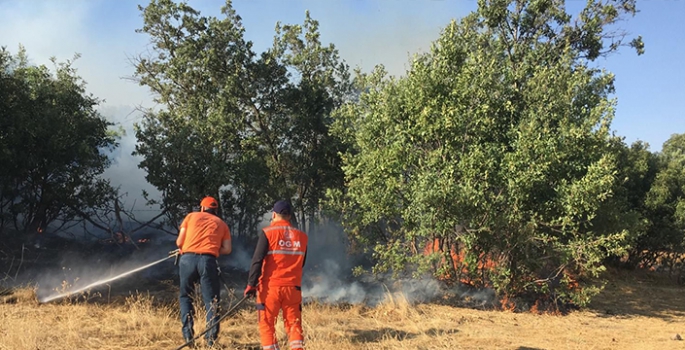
(650, 89)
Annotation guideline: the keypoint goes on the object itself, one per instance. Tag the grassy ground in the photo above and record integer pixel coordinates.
(636, 311)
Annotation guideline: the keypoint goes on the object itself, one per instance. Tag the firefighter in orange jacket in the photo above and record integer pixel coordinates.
(203, 236)
(276, 278)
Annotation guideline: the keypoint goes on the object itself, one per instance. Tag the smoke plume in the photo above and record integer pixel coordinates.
(328, 276)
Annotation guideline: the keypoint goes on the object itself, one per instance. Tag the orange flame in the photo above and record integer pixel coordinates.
(486, 263)
(508, 303)
(458, 261)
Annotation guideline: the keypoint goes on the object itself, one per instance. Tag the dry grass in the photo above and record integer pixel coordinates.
(635, 312)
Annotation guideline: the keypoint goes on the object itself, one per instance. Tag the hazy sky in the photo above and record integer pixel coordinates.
(650, 88)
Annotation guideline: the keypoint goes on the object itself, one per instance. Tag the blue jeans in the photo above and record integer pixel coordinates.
(191, 269)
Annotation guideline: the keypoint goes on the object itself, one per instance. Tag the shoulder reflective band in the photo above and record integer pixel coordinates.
(269, 228)
(286, 252)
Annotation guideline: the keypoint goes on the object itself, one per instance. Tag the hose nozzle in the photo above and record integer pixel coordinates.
(175, 253)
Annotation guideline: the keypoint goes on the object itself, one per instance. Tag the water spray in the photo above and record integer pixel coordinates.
(172, 254)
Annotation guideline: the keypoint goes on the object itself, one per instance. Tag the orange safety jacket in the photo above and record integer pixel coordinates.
(204, 234)
(279, 256)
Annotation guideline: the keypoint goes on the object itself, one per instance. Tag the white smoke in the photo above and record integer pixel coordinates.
(326, 283)
(240, 257)
(473, 297)
(331, 285)
(328, 276)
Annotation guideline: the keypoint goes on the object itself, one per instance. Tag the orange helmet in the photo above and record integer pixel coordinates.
(209, 202)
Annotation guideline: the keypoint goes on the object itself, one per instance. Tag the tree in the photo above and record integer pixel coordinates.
(249, 128)
(53, 144)
(637, 168)
(665, 201)
(496, 144)
(307, 163)
(192, 148)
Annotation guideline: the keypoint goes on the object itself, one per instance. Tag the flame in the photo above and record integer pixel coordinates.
(143, 240)
(535, 309)
(485, 262)
(508, 303)
(545, 306)
(573, 283)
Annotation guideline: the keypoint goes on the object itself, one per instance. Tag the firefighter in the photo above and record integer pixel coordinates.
(203, 236)
(276, 278)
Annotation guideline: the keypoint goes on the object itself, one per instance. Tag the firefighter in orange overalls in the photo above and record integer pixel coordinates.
(276, 278)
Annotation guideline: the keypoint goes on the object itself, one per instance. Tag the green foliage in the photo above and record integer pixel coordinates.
(637, 168)
(319, 83)
(250, 128)
(666, 197)
(498, 143)
(52, 144)
(647, 200)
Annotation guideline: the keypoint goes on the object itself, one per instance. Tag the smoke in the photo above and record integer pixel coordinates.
(331, 285)
(328, 275)
(475, 297)
(328, 283)
(240, 257)
(328, 278)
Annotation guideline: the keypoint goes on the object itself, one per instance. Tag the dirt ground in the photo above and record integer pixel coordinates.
(635, 311)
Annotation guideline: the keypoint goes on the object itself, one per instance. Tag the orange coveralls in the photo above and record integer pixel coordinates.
(277, 264)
